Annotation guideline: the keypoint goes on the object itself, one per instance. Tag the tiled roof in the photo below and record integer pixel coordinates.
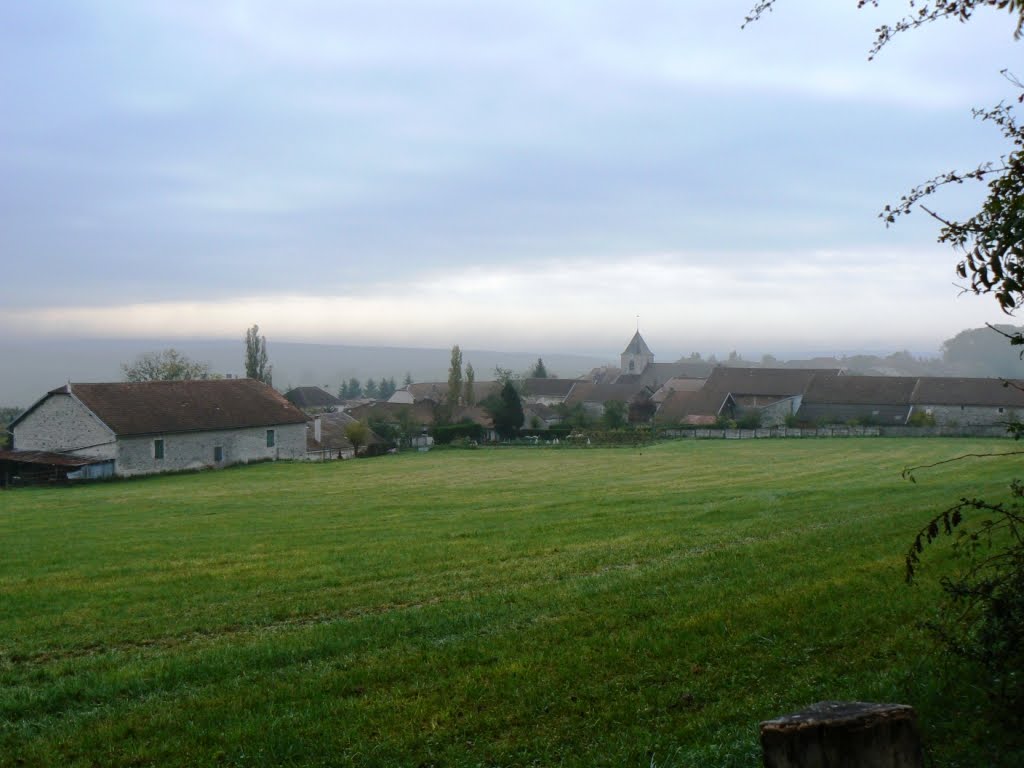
(749, 387)
(933, 390)
(332, 432)
(311, 397)
(677, 385)
(547, 387)
(150, 407)
(419, 413)
(782, 382)
(860, 390)
(691, 407)
(585, 392)
(437, 391)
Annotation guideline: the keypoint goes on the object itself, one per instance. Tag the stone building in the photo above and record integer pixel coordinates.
(162, 426)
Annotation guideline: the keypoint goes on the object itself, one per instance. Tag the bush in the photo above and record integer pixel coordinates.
(983, 616)
(749, 420)
(446, 433)
(921, 419)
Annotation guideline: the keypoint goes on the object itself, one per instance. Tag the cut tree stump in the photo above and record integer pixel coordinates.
(843, 734)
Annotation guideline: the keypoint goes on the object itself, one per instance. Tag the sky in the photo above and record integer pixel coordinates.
(527, 175)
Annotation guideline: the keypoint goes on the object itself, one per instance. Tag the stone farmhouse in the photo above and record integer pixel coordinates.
(126, 429)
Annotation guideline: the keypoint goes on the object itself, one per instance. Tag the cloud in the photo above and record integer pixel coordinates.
(763, 302)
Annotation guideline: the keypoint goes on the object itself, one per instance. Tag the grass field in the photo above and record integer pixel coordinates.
(489, 607)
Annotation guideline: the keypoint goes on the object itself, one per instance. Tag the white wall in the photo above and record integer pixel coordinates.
(61, 424)
(195, 450)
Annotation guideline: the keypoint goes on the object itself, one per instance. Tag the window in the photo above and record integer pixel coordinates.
(270, 438)
(1000, 410)
(158, 449)
(218, 453)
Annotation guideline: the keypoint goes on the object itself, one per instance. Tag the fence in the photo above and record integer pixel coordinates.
(837, 431)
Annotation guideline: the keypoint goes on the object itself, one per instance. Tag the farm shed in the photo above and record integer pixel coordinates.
(868, 399)
(969, 402)
(163, 426)
(42, 467)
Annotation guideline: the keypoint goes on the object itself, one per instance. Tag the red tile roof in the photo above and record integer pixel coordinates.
(150, 407)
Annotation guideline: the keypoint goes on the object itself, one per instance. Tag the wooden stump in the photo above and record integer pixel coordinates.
(843, 734)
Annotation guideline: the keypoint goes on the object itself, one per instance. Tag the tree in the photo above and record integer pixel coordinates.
(469, 395)
(358, 434)
(408, 379)
(506, 411)
(406, 425)
(354, 389)
(984, 612)
(990, 240)
(539, 371)
(168, 365)
(575, 416)
(370, 390)
(505, 375)
(614, 414)
(922, 13)
(386, 388)
(454, 392)
(256, 361)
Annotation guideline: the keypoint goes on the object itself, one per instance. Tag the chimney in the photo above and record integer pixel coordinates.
(316, 429)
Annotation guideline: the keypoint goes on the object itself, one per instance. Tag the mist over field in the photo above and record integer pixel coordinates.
(32, 369)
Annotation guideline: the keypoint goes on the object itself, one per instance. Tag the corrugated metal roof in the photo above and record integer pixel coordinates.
(48, 458)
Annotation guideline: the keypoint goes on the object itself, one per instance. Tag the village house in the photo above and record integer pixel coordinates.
(312, 399)
(138, 428)
(773, 394)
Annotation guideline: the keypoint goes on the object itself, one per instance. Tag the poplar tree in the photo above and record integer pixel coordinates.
(256, 360)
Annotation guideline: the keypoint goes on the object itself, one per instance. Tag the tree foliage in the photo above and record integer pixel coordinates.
(920, 13)
(506, 411)
(454, 393)
(985, 596)
(614, 416)
(167, 365)
(257, 364)
(358, 434)
(539, 371)
(469, 393)
(351, 389)
(386, 388)
(987, 623)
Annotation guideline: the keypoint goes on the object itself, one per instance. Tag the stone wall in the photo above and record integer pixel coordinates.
(61, 424)
(196, 450)
(774, 432)
(969, 415)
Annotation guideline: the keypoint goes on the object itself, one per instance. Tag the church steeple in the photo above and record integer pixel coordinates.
(636, 356)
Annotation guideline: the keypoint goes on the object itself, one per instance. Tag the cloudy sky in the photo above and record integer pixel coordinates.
(521, 175)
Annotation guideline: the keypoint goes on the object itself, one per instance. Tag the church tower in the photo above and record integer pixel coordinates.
(637, 356)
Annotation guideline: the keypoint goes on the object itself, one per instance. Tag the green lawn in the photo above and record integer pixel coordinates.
(490, 607)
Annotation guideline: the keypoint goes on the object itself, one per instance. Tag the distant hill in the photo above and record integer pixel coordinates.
(29, 369)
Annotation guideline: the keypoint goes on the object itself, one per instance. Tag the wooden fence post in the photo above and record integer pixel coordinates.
(843, 734)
